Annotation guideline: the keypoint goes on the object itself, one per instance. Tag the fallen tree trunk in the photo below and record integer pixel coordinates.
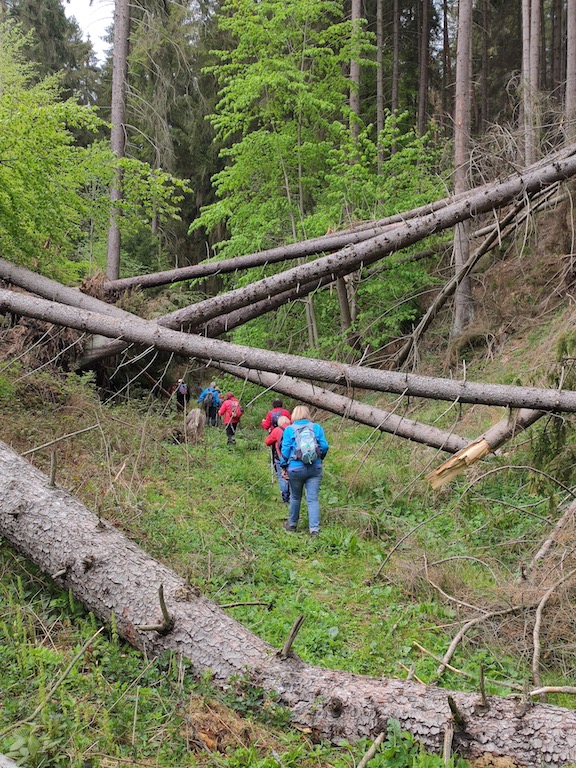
(381, 420)
(323, 244)
(354, 257)
(495, 236)
(148, 333)
(356, 411)
(112, 576)
(483, 445)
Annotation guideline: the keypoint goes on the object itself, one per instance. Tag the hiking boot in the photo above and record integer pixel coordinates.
(290, 528)
(313, 534)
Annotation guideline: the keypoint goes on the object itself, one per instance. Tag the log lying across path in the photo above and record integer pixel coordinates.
(380, 420)
(148, 333)
(111, 575)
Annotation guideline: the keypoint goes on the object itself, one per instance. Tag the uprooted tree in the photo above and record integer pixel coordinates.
(112, 576)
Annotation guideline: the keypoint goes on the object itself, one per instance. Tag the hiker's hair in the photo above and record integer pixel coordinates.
(212, 384)
(276, 403)
(229, 395)
(283, 421)
(301, 412)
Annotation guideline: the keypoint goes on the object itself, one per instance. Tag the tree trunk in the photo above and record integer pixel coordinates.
(463, 308)
(528, 95)
(395, 55)
(484, 107)
(380, 420)
(423, 62)
(118, 119)
(149, 333)
(356, 15)
(483, 445)
(570, 117)
(446, 64)
(380, 79)
(112, 576)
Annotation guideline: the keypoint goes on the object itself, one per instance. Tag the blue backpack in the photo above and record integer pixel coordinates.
(307, 450)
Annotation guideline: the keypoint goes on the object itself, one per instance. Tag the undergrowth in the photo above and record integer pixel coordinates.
(383, 589)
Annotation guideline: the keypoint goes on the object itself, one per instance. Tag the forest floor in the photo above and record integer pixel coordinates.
(395, 572)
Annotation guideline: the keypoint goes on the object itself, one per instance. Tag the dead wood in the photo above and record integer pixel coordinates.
(536, 630)
(111, 575)
(328, 243)
(356, 256)
(498, 233)
(483, 445)
(324, 244)
(469, 625)
(381, 420)
(364, 414)
(148, 333)
(547, 544)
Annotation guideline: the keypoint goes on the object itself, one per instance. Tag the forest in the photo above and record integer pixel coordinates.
(361, 208)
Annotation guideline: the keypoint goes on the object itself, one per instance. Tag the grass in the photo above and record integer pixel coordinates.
(212, 513)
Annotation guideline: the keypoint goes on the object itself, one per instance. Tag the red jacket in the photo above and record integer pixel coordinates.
(274, 438)
(226, 411)
(267, 422)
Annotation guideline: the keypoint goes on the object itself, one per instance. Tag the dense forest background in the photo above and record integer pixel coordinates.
(275, 132)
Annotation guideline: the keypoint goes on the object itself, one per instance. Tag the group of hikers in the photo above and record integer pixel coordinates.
(217, 406)
(298, 447)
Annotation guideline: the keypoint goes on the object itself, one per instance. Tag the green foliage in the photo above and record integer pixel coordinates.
(293, 169)
(402, 750)
(54, 193)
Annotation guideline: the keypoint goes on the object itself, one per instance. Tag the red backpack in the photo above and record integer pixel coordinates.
(235, 411)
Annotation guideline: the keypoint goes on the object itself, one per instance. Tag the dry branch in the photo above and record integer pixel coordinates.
(53, 528)
(494, 238)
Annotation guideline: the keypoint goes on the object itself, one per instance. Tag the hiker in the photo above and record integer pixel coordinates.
(304, 446)
(210, 401)
(270, 421)
(231, 410)
(274, 440)
(182, 394)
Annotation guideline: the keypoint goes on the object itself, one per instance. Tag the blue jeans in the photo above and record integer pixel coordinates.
(308, 477)
(283, 484)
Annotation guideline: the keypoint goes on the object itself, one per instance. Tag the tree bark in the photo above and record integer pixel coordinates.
(463, 307)
(118, 135)
(149, 333)
(112, 576)
(394, 99)
(570, 98)
(424, 56)
(380, 420)
(380, 79)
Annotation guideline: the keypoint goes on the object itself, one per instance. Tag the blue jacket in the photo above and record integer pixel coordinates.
(215, 396)
(289, 444)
